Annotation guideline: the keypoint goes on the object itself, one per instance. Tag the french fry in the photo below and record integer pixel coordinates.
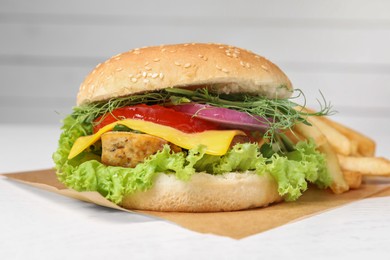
(360, 144)
(339, 185)
(340, 143)
(365, 165)
(294, 136)
(354, 147)
(354, 179)
(311, 132)
(365, 145)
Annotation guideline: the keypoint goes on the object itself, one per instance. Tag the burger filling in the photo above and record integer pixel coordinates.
(119, 146)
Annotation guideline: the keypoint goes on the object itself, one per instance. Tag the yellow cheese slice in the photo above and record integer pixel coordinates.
(217, 142)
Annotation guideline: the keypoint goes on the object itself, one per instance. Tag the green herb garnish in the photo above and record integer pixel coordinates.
(279, 114)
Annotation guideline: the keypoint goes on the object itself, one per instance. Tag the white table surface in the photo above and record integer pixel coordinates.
(36, 224)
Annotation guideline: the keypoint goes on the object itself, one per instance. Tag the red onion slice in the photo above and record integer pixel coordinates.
(224, 116)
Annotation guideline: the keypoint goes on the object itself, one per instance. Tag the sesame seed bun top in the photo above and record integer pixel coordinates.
(226, 69)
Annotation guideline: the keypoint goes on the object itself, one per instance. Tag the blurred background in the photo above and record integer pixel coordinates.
(339, 47)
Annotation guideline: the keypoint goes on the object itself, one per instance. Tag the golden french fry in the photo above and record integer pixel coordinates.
(360, 144)
(311, 132)
(365, 145)
(365, 165)
(354, 179)
(294, 136)
(354, 147)
(339, 185)
(340, 143)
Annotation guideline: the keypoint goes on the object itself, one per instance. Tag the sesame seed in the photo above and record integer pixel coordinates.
(134, 79)
(144, 74)
(229, 54)
(117, 57)
(139, 75)
(161, 75)
(237, 51)
(225, 70)
(242, 63)
(130, 75)
(218, 67)
(156, 60)
(118, 69)
(97, 66)
(149, 74)
(247, 65)
(264, 67)
(154, 75)
(177, 63)
(148, 68)
(235, 55)
(137, 52)
(163, 50)
(172, 51)
(205, 58)
(187, 65)
(186, 44)
(109, 77)
(194, 43)
(146, 81)
(146, 63)
(200, 55)
(221, 47)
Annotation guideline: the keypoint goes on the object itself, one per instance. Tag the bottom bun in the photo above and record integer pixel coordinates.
(206, 193)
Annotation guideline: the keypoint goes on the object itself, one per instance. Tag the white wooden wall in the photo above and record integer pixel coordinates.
(48, 47)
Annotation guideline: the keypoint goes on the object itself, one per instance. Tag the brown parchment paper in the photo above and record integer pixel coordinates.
(238, 224)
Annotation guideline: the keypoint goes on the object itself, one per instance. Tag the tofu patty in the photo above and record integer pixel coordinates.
(128, 149)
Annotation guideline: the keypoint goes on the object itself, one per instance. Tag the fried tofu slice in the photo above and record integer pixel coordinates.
(128, 149)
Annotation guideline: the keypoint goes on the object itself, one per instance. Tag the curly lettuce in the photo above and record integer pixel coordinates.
(292, 171)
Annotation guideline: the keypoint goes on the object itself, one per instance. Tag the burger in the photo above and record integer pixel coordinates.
(188, 127)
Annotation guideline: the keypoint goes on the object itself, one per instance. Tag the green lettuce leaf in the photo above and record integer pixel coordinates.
(297, 168)
(241, 157)
(292, 171)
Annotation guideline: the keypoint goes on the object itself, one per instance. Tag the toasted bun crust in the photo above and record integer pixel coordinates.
(226, 68)
(206, 193)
